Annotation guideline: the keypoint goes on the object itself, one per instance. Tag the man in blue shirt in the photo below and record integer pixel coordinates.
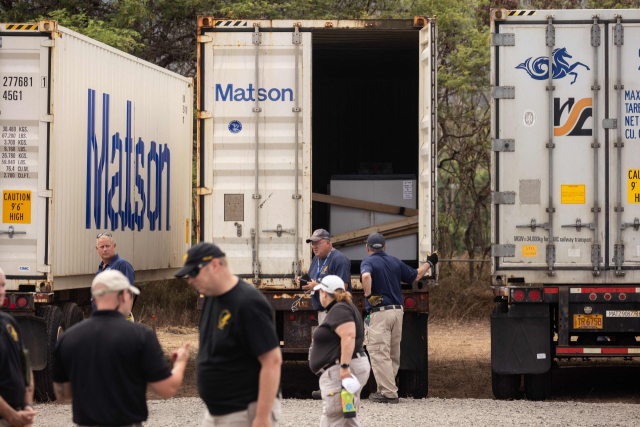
(326, 261)
(106, 247)
(382, 275)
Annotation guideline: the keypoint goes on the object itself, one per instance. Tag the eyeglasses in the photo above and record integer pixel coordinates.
(197, 268)
(104, 234)
(319, 242)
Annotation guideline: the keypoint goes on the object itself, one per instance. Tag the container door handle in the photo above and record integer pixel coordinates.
(11, 232)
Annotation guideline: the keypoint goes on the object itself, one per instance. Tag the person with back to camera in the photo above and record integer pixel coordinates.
(337, 353)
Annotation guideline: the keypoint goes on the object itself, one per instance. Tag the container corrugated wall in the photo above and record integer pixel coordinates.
(95, 86)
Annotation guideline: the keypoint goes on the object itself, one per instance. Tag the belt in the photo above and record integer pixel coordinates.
(359, 355)
(386, 307)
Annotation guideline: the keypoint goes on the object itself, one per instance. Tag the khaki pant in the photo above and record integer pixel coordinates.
(331, 387)
(383, 345)
(241, 418)
(321, 316)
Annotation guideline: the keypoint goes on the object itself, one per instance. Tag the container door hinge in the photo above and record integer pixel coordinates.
(257, 36)
(503, 92)
(47, 42)
(205, 115)
(505, 145)
(204, 191)
(296, 38)
(47, 119)
(503, 198)
(503, 250)
(503, 39)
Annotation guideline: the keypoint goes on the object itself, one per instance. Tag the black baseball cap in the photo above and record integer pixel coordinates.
(375, 241)
(198, 254)
(319, 234)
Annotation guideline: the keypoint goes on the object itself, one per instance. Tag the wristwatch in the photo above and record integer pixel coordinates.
(344, 365)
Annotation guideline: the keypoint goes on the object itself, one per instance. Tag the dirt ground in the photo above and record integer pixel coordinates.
(459, 367)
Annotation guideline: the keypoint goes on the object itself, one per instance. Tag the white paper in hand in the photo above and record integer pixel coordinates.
(352, 385)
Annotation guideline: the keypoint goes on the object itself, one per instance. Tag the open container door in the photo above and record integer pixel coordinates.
(24, 121)
(428, 162)
(255, 109)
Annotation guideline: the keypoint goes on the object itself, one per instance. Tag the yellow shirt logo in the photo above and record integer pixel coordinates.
(223, 320)
(12, 332)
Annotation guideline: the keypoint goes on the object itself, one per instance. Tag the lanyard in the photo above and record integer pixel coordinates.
(325, 261)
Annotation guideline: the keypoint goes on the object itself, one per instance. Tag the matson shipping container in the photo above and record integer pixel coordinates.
(282, 107)
(93, 140)
(566, 191)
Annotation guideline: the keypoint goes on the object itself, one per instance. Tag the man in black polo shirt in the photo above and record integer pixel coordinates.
(105, 362)
(15, 399)
(239, 358)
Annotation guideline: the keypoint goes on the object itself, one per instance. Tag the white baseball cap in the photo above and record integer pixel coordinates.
(330, 284)
(114, 281)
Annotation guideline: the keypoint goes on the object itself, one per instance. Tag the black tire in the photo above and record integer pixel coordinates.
(43, 379)
(413, 383)
(505, 386)
(71, 314)
(537, 386)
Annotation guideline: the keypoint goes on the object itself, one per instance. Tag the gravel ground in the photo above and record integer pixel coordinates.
(184, 412)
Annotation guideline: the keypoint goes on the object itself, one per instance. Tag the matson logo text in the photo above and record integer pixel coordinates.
(248, 94)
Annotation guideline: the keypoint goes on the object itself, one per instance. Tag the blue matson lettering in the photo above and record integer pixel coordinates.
(124, 215)
(248, 94)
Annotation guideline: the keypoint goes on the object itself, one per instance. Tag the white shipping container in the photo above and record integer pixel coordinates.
(283, 105)
(566, 162)
(94, 140)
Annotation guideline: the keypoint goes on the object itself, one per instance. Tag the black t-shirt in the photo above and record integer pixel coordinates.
(235, 328)
(327, 345)
(109, 362)
(12, 387)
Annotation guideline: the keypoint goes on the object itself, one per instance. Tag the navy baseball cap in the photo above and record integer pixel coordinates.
(198, 254)
(375, 241)
(319, 234)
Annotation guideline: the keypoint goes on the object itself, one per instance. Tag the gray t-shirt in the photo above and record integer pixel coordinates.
(327, 345)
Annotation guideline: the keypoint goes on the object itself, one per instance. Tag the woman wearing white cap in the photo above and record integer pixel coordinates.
(337, 355)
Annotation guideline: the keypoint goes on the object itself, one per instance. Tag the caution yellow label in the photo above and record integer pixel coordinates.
(633, 186)
(529, 251)
(572, 194)
(16, 207)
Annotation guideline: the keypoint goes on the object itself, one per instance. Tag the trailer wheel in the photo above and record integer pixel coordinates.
(71, 314)
(537, 386)
(413, 383)
(505, 386)
(43, 379)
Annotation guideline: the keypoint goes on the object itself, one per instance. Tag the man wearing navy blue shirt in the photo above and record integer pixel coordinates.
(382, 276)
(106, 247)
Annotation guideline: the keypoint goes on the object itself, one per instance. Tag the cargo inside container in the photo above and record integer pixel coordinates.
(365, 101)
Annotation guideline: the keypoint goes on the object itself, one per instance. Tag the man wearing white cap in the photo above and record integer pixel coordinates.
(337, 356)
(105, 363)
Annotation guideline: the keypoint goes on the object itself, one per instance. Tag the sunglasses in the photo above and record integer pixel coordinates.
(197, 268)
(104, 234)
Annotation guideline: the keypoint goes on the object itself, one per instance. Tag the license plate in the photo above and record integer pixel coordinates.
(587, 321)
(623, 313)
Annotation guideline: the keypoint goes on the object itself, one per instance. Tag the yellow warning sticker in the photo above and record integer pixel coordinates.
(572, 194)
(529, 251)
(16, 207)
(633, 186)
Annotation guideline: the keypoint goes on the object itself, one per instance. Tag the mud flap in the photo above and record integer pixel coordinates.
(34, 337)
(413, 347)
(520, 340)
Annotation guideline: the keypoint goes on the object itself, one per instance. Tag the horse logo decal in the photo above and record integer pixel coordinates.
(539, 69)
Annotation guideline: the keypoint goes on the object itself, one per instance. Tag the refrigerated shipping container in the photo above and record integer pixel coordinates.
(565, 191)
(284, 105)
(93, 140)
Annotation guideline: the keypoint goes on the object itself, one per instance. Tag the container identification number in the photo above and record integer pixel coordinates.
(12, 95)
(17, 81)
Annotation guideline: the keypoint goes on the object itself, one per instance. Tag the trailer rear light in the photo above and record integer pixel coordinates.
(607, 297)
(22, 302)
(313, 317)
(292, 317)
(534, 295)
(409, 302)
(518, 295)
(622, 297)
(593, 296)
(12, 306)
(5, 302)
